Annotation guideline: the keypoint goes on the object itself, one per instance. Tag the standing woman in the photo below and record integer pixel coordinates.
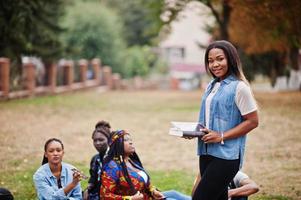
(55, 179)
(229, 112)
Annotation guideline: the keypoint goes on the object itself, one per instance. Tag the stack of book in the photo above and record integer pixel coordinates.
(187, 129)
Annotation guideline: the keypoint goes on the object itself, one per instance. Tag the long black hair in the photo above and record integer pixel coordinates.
(45, 159)
(233, 60)
(116, 153)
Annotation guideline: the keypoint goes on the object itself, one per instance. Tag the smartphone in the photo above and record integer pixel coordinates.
(83, 176)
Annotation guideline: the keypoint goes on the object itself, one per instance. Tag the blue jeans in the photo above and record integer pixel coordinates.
(175, 195)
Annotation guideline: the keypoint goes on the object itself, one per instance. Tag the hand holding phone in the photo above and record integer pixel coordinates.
(82, 175)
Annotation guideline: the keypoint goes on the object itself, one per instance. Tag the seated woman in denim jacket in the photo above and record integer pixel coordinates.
(123, 176)
(55, 179)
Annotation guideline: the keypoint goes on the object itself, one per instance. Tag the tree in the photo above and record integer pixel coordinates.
(94, 31)
(141, 20)
(221, 10)
(137, 62)
(273, 29)
(30, 27)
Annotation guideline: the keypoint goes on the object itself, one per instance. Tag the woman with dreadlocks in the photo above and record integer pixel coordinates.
(123, 176)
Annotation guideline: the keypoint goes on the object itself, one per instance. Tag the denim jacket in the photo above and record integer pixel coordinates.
(224, 115)
(46, 184)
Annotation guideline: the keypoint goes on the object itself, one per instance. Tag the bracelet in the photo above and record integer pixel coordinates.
(152, 189)
(126, 197)
(222, 136)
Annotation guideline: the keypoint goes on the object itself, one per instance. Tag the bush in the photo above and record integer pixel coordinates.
(94, 31)
(140, 60)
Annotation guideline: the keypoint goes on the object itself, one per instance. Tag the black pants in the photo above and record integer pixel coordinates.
(216, 174)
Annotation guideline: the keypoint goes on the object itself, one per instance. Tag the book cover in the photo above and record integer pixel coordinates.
(186, 129)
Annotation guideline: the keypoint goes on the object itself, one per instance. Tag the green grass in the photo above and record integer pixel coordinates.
(172, 180)
(271, 197)
(21, 184)
(272, 157)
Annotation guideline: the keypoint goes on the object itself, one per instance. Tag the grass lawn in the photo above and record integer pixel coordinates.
(272, 159)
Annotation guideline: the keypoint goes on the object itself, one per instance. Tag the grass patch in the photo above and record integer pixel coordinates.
(271, 197)
(20, 183)
(272, 156)
(172, 180)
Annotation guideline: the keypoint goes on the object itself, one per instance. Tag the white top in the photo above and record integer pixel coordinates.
(244, 100)
(239, 177)
(208, 102)
(143, 175)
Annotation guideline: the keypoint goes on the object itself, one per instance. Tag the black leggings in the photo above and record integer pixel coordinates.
(216, 174)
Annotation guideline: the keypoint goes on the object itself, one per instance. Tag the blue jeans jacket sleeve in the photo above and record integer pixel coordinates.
(76, 193)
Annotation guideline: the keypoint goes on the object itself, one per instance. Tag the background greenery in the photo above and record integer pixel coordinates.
(116, 30)
(94, 31)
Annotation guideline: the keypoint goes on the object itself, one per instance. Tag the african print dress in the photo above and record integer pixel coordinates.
(114, 185)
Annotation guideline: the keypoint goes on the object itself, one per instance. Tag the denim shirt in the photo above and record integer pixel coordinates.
(46, 184)
(224, 115)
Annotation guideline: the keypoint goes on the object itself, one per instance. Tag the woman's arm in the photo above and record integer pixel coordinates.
(76, 179)
(247, 187)
(249, 123)
(155, 193)
(196, 183)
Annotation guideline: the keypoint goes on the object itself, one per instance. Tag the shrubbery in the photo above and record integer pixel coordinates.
(94, 31)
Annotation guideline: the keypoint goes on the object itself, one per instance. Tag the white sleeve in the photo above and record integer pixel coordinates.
(244, 99)
(238, 178)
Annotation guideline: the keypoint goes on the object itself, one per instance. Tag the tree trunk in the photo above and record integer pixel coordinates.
(225, 20)
(294, 58)
(278, 68)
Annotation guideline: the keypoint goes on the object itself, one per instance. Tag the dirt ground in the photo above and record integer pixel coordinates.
(272, 158)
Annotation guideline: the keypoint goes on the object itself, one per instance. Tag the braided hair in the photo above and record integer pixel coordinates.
(116, 153)
(45, 159)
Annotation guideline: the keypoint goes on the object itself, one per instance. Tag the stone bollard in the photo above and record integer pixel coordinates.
(51, 69)
(83, 67)
(116, 81)
(96, 65)
(174, 83)
(138, 83)
(68, 73)
(29, 72)
(4, 76)
(107, 73)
